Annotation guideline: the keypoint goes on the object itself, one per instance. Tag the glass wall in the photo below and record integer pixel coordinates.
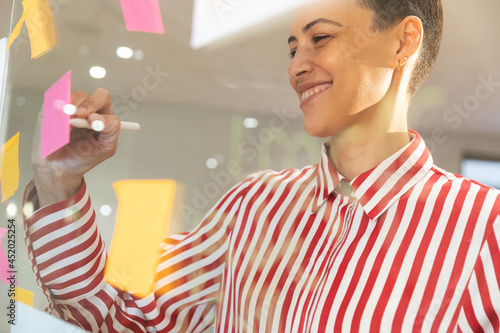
(208, 117)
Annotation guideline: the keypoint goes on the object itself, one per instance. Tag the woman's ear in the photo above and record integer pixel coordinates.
(410, 35)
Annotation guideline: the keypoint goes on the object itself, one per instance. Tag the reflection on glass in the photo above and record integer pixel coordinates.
(124, 52)
(97, 72)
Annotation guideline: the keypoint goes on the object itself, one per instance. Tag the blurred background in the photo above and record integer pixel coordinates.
(218, 113)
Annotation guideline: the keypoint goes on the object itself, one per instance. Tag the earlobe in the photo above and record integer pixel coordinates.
(399, 63)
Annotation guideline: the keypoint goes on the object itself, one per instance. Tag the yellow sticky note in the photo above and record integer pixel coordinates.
(144, 210)
(9, 167)
(40, 25)
(23, 296)
(27, 4)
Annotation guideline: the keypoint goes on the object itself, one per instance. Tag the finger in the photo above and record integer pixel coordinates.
(78, 97)
(107, 124)
(97, 121)
(99, 102)
(111, 125)
(108, 137)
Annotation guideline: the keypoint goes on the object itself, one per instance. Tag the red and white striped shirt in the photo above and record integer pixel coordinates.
(404, 247)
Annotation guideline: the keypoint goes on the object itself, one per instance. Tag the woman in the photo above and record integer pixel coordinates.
(372, 238)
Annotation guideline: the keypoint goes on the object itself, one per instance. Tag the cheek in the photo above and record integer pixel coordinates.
(374, 85)
(349, 84)
(357, 83)
(380, 80)
(336, 57)
(357, 88)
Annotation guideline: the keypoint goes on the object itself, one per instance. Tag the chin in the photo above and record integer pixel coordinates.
(317, 130)
(321, 120)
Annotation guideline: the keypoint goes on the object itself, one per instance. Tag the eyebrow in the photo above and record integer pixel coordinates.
(312, 24)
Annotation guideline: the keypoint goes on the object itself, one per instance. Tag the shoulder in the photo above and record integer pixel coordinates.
(458, 179)
(468, 190)
(283, 177)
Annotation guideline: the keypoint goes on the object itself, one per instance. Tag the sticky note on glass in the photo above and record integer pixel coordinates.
(27, 4)
(24, 296)
(144, 210)
(55, 123)
(41, 28)
(40, 25)
(9, 167)
(142, 15)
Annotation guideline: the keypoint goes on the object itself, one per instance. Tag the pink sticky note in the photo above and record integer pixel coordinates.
(143, 15)
(4, 264)
(55, 124)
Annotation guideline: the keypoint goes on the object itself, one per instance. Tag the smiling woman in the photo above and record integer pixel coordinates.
(372, 238)
(343, 72)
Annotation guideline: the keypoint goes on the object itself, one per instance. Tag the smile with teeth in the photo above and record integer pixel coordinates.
(308, 93)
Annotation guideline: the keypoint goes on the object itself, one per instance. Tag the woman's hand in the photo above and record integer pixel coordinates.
(59, 175)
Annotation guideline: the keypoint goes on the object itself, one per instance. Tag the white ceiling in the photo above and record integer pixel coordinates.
(250, 73)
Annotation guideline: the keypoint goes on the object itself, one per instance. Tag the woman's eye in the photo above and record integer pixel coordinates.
(318, 39)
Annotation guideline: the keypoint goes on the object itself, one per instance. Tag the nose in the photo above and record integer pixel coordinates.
(300, 64)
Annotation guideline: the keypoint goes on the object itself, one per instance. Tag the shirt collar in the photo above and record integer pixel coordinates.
(377, 189)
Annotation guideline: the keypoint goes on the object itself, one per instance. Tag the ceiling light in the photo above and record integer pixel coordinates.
(97, 72)
(250, 123)
(212, 163)
(20, 101)
(214, 20)
(138, 55)
(11, 210)
(106, 210)
(124, 52)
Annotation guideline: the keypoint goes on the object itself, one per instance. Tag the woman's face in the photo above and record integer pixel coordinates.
(340, 68)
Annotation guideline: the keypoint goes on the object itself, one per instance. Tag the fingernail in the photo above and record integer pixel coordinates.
(82, 109)
(69, 109)
(97, 125)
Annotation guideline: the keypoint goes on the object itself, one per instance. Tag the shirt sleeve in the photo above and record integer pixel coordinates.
(481, 302)
(68, 258)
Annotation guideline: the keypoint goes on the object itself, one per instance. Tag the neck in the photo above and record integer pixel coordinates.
(379, 132)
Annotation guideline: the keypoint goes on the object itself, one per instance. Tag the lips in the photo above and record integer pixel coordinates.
(311, 89)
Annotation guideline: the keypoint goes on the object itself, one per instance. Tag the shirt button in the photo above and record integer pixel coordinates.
(344, 187)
